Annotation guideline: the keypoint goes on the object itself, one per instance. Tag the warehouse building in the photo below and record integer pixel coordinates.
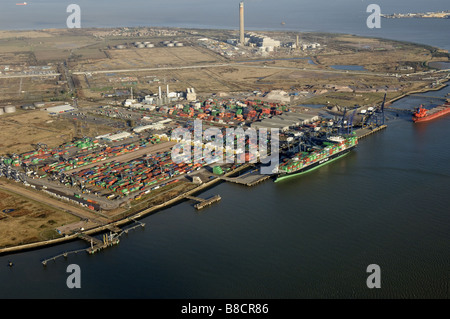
(59, 109)
(155, 126)
(284, 121)
(114, 137)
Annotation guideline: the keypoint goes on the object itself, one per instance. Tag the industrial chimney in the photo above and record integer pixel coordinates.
(241, 23)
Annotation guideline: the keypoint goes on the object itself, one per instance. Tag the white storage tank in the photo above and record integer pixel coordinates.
(170, 44)
(1, 111)
(179, 44)
(150, 45)
(10, 109)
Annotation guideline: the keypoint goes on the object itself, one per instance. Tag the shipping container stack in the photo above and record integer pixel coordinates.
(225, 110)
(304, 159)
(60, 164)
(136, 175)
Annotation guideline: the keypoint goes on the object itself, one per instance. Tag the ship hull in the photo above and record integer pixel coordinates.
(432, 116)
(305, 169)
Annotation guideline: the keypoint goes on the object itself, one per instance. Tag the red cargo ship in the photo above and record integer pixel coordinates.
(422, 114)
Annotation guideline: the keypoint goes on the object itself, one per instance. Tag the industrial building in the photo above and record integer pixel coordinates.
(28, 106)
(59, 109)
(284, 121)
(263, 42)
(39, 104)
(114, 137)
(154, 126)
(190, 94)
(7, 109)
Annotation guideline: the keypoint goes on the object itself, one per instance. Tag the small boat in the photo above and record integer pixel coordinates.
(21, 4)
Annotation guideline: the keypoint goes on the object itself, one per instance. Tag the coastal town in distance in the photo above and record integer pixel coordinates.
(88, 116)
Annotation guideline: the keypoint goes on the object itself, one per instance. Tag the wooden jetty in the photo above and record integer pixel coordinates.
(202, 203)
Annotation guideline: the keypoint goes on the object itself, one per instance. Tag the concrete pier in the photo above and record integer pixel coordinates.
(363, 132)
(202, 203)
(248, 179)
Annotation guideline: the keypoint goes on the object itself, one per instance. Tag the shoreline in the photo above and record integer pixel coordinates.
(424, 90)
(124, 221)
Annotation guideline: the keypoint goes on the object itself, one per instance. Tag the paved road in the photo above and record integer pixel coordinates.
(28, 75)
(241, 64)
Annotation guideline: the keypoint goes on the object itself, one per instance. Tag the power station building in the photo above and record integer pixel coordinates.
(263, 42)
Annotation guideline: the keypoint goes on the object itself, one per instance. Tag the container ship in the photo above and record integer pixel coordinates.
(422, 114)
(316, 156)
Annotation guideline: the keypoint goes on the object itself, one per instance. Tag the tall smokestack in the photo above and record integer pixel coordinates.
(159, 92)
(241, 23)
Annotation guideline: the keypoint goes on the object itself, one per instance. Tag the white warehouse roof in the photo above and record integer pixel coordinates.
(114, 137)
(60, 109)
(156, 126)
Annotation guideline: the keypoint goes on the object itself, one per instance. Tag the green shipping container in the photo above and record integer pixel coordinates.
(217, 170)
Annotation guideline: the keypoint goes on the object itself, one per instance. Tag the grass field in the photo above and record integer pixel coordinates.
(23, 129)
(24, 221)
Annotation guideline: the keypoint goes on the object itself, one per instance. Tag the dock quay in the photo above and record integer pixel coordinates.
(363, 132)
(202, 203)
(429, 97)
(248, 179)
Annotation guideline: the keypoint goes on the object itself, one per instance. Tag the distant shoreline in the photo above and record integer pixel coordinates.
(427, 15)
